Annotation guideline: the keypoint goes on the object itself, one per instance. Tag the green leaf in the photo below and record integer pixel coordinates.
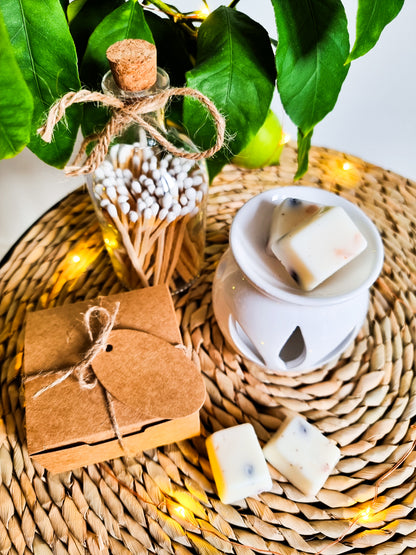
(16, 104)
(372, 17)
(73, 8)
(174, 49)
(235, 69)
(126, 22)
(304, 145)
(173, 52)
(65, 4)
(313, 44)
(94, 118)
(46, 56)
(85, 16)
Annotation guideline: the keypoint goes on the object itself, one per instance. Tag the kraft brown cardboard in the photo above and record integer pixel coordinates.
(157, 391)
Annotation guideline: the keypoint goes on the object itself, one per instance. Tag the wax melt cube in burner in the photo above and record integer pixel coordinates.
(302, 454)
(237, 463)
(289, 214)
(318, 247)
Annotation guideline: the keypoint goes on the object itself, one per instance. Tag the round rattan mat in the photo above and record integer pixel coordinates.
(164, 500)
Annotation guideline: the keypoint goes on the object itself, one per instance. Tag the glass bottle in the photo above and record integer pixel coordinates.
(151, 205)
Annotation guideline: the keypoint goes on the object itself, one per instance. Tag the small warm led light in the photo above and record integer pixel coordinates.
(181, 511)
(344, 173)
(76, 258)
(111, 243)
(365, 514)
(285, 138)
(204, 11)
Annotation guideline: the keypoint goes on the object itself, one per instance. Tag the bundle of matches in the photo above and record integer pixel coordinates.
(151, 208)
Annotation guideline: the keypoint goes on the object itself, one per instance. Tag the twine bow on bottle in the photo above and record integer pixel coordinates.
(83, 370)
(123, 114)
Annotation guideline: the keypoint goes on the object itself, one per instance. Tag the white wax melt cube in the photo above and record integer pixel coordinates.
(302, 454)
(319, 247)
(289, 214)
(238, 464)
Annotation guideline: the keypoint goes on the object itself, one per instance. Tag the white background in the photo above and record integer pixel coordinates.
(375, 119)
(375, 116)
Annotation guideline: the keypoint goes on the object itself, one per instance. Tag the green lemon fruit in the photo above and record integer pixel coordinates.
(265, 147)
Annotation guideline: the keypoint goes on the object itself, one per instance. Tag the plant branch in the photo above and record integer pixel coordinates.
(165, 8)
(174, 13)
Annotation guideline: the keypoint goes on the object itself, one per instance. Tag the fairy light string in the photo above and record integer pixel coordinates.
(367, 513)
(363, 515)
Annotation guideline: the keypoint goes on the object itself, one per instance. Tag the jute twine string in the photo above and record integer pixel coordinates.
(83, 370)
(365, 401)
(124, 113)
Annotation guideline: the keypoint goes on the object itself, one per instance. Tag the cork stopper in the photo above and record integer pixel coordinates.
(133, 64)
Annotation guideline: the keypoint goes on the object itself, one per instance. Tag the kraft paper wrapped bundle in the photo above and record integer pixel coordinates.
(108, 377)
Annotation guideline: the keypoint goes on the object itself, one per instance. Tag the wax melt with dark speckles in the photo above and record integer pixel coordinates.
(300, 452)
(294, 276)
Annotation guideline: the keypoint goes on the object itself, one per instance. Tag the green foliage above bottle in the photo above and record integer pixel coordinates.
(51, 47)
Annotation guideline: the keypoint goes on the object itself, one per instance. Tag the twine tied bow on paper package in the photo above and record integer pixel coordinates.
(123, 114)
(83, 370)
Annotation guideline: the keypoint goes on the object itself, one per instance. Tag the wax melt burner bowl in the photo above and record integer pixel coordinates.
(265, 316)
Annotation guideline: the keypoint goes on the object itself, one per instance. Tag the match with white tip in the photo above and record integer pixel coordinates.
(150, 198)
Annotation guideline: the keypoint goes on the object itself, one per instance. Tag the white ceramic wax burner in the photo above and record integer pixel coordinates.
(265, 316)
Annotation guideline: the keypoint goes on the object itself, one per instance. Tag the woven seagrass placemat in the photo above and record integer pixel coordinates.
(164, 500)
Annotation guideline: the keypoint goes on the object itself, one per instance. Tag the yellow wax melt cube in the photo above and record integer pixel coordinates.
(237, 462)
